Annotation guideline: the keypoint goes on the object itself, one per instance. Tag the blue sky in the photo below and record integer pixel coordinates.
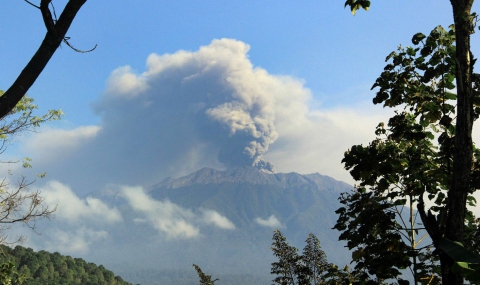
(338, 55)
(227, 83)
(334, 55)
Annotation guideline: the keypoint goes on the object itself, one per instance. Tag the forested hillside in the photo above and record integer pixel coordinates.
(53, 268)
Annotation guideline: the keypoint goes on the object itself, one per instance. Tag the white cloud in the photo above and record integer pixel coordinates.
(72, 209)
(315, 141)
(171, 219)
(57, 144)
(73, 242)
(166, 217)
(271, 222)
(213, 217)
(123, 82)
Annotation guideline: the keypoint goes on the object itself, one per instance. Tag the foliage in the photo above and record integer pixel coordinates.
(9, 275)
(314, 260)
(20, 120)
(310, 268)
(452, 218)
(468, 263)
(52, 268)
(204, 278)
(288, 268)
(357, 4)
(18, 204)
(412, 157)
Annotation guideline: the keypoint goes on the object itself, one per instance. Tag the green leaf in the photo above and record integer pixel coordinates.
(358, 254)
(417, 38)
(457, 252)
(450, 96)
(357, 4)
(392, 54)
(411, 51)
(400, 202)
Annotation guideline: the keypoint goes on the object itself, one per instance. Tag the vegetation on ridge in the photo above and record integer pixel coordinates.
(39, 268)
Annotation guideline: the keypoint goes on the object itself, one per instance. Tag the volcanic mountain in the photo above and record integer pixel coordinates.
(253, 202)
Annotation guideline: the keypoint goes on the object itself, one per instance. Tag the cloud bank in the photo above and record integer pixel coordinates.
(78, 224)
(170, 219)
(72, 209)
(73, 241)
(82, 224)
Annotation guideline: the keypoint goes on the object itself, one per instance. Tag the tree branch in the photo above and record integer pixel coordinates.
(47, 15)
(32, 4)
(53, 38)
(429, 221)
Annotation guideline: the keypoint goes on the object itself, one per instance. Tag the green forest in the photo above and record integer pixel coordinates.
(43, 267)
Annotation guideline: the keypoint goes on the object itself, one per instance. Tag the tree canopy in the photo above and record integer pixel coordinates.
(53, 268)
(407, 162)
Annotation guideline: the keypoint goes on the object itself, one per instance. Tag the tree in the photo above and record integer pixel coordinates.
(288, 268)
(459, 187)
(56, 34)
(204, 278)
(314, 260)
(420, 78)
(311, 267)
(18, 204)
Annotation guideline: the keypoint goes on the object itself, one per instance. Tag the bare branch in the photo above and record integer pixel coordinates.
(47, 16)
(55, 35)
(21, 206)
(32, 4)
(75, 49)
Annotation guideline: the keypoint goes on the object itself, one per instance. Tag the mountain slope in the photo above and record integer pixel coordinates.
(53, 268)
(246, 194)
(255, 202)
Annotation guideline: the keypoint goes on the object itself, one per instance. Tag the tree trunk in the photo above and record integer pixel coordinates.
(462, 164)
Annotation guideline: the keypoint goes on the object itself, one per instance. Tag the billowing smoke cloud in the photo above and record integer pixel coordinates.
(212, 96)
(57, 144)
(188, 110)
(207, 108)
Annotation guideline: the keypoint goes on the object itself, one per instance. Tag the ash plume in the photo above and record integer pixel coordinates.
(213, 98)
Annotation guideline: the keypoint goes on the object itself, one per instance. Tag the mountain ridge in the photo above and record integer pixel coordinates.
(245, 175)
